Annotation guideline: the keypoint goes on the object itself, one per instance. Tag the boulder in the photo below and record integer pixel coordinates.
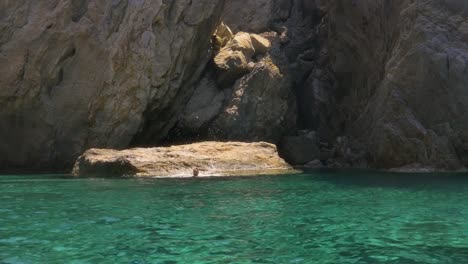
(222, 36)
(242, 42)
(232, 61)
(260, 44)
(209, 158)
(231, 65)
(259, 106)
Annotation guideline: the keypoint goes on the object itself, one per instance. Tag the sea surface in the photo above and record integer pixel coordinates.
(315, 217)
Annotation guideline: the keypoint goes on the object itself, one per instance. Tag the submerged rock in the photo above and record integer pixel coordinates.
(209, 158)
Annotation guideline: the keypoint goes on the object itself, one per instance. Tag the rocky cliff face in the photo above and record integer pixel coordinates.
(382, 83)
(401, 80)
(77, 74)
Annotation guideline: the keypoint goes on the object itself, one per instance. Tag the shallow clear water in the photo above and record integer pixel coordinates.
(327, 217)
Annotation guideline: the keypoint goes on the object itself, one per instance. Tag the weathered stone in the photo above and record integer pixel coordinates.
(406, 77)
(231, 65)
(248, 15)
(260, 44)
(81, 74)
(222, 36)
(370, 77)
(203, 107)
(260, 106)
(242, 42)
(210, 158)
(315, 164)
(232, 61)
(299, 150)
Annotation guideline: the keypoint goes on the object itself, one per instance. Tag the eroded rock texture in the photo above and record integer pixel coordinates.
(380, 83)
(246, 94)
(255, 74)
(402, 80)
(208, 158)
(77, 74)
(384, 83)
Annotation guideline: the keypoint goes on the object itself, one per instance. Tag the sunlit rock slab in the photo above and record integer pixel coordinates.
(209, 158)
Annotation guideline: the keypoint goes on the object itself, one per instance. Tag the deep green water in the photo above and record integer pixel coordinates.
(328, 217)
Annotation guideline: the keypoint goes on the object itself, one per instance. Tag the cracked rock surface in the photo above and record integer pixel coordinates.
(208, 158)
(77, 74)
(381, 84)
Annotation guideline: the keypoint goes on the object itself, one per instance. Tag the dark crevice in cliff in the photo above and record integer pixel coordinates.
(160, 120)
(68, 54)
(298, 53)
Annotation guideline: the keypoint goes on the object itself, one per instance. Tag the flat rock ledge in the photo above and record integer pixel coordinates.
(210, 158)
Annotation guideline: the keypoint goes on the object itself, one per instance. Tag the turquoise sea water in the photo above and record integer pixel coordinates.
(320, 217)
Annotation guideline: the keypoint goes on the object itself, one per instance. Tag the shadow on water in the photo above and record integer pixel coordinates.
(383, 179)
(37, 176)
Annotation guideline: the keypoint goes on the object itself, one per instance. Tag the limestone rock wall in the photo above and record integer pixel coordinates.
(248, 91)
(401, 80)
(380, 83)
(383, 83)
(422, 99)
(77, 74)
